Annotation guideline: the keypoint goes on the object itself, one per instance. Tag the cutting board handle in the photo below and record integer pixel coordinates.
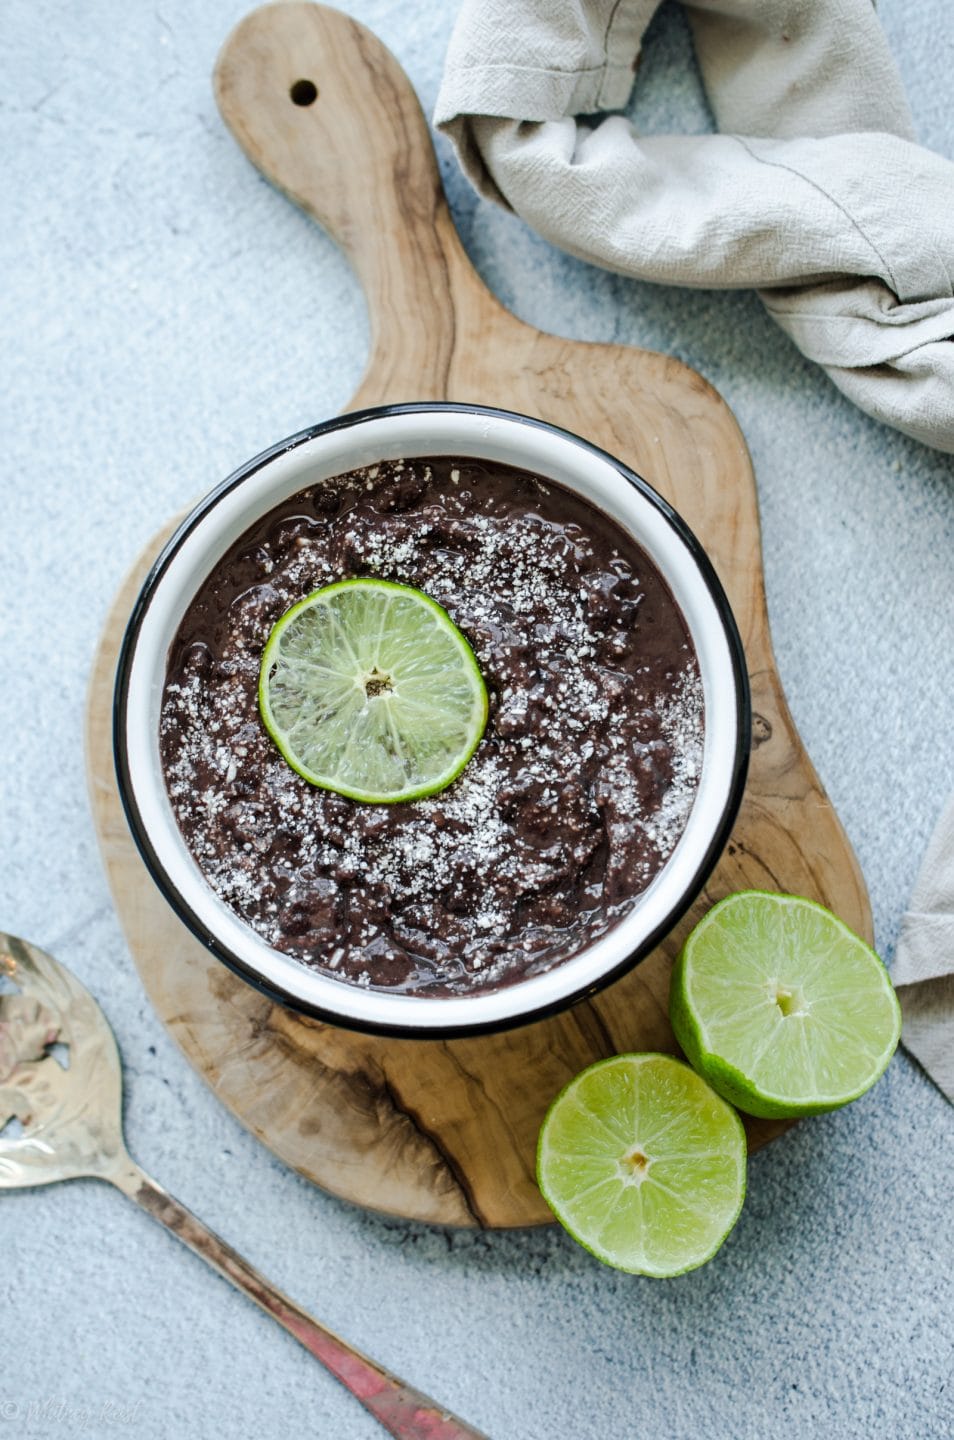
(322, 108)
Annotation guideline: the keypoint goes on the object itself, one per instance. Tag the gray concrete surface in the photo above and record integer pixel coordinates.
(165, 315)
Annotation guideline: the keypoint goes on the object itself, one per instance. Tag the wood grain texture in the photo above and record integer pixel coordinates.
(445, 1131)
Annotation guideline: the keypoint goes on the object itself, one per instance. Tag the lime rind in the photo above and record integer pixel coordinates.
(414, 737)
(843, 1021)
(679, 1214)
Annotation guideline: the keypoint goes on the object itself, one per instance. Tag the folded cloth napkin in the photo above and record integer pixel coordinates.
(923, 969)
(816, 194)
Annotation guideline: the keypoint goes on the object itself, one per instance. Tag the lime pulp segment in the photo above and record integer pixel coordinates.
(781, 1007)
(368, 688)
(643, 1164)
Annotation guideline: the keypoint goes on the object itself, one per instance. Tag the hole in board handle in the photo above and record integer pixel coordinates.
(303, 92)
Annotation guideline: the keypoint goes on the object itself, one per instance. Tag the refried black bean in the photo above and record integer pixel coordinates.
(575, 797)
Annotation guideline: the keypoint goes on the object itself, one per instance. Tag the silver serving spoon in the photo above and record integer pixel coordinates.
(72, 1127)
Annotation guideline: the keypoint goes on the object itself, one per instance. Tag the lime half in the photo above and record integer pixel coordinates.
(369, 688)
(643, 1164)
(781, 1007)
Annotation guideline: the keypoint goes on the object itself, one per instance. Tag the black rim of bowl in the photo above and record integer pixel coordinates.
(252, 976)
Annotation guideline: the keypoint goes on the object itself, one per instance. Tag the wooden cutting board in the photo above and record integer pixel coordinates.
(445, 1131)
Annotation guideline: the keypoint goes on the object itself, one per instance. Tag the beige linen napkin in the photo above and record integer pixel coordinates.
(923, 967)
(815, 194)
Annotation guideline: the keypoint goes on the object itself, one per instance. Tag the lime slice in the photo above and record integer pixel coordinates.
(368, 688)
(643, 1164)
(781, 1007)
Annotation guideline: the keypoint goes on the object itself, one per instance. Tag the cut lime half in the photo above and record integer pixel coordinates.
(643, 1164)
(781, 1007)
(368, 688)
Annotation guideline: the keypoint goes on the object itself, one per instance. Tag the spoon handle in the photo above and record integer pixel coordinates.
(402, 1410)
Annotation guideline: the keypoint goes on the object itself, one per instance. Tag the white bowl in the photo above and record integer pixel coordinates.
(330, 449)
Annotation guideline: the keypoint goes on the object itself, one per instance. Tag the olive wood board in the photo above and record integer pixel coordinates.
(445, 1131)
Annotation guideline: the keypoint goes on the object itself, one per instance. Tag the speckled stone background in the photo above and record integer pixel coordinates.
(165, 314)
